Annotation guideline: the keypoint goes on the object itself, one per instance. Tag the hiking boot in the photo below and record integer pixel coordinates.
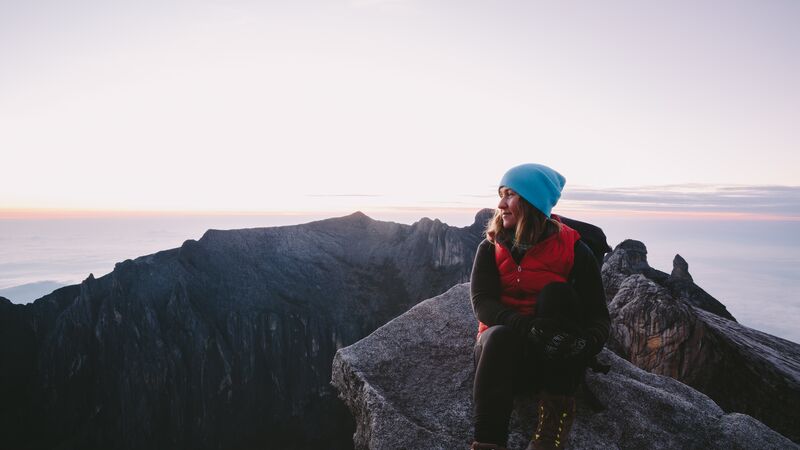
(556, 413)
(481, 446)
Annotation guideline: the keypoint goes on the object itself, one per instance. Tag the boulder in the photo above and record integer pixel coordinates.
(409, 385)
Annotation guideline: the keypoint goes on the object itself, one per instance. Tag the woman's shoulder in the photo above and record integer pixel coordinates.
(486, 244)
(584, 255)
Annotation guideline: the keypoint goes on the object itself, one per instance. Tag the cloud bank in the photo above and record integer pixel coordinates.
(749, 202)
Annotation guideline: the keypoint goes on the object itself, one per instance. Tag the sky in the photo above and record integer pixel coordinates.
(684, 107)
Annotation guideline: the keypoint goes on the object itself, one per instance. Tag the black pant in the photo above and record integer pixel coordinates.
(504, 366)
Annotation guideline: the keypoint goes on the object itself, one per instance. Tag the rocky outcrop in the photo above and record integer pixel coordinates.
(225, 342)
(680, 270)
(409, 385)
(661, 324)
(630, 257)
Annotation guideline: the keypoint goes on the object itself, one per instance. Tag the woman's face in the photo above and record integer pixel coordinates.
(509, 205)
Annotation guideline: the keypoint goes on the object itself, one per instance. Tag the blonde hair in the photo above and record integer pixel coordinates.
(531, 227)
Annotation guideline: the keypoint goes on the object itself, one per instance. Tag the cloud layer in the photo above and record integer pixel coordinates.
(767, 202)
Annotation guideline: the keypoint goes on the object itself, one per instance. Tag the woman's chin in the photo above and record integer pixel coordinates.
(509, 224)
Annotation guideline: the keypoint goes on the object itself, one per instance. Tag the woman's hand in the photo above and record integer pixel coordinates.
(546, 336)
(565, 346)
(541, 331)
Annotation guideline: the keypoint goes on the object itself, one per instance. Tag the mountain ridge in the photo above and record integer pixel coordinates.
(225, 341)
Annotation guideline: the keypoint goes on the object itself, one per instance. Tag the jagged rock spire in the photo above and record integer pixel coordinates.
(680, 269)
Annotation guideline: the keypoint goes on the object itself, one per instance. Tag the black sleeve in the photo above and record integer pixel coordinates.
(485, 293)
(585, 278)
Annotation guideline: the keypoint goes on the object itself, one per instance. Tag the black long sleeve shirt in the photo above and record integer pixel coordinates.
(584, 278)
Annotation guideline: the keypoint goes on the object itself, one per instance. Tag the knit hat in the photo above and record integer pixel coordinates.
(539, 185)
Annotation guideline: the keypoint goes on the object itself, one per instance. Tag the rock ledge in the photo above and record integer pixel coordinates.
(409, 385)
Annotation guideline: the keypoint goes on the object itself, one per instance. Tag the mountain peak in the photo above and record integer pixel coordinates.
(357, 215)
(680, 269)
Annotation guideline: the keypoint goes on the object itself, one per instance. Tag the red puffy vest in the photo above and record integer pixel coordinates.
(549, 261)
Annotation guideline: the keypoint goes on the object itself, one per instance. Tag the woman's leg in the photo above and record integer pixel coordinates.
(559, 380)
(560, 301)
(497, 357)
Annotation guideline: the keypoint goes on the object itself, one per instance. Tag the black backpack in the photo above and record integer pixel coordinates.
(591, 235)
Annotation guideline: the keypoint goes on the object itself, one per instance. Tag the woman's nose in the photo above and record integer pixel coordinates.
(502, 203)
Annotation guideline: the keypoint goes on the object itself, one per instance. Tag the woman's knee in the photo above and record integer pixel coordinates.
(497, 335)
(496, 341)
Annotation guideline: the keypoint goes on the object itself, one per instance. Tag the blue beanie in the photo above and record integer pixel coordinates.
(539, 185)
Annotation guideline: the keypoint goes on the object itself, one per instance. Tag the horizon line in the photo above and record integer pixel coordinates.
(98, 213)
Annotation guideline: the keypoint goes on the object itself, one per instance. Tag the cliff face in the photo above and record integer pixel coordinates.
(225, 342)
(409, 385)
(667, 325)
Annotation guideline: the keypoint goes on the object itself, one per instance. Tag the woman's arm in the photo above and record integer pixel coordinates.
(585, 278)
(485, 292)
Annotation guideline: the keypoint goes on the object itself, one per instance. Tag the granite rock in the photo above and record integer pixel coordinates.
(409, 385)
(657, 326)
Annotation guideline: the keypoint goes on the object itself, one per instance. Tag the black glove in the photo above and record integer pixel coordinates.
(541, 330)
(547, 338)
(565, 346)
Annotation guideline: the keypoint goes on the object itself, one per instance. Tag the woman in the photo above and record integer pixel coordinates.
(537, 292)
